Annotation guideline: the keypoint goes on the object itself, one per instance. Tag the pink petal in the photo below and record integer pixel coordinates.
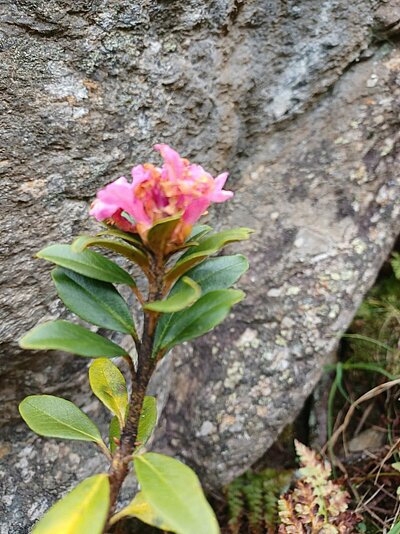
(195, 210)
(197, 172)
(173, 163)
(220, 180)
(219, 195)
(116, 195)
(136, 210)
(139, 175)
(101, 210)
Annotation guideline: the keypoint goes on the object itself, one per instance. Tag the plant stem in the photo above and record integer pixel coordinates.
(140, 379)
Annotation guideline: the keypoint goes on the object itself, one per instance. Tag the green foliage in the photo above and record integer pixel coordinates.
(219, 240)
(147, 421)
(173, 491)
(108, 384)
(396, 264)
(58, 418)
(69, 337)
(189, 293)
(199, 231)
(171, 497)
(212, 275)
(84, 510)
(254, 497)
(316, 504)
(252, 501)
(161, 232)
(185, 264)
(134, 239)
(132, 253)
(216, 273)
(142, 510)
(395, 529)
(210, 310)
(88, 263)
(236, 504)
(376, 328)
(207, 246)
(94, 301)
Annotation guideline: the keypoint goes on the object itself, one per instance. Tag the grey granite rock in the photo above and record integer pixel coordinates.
(299, 100)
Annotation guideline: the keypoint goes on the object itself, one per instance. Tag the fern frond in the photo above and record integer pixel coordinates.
(236, 506)
(290, 524)
(253, 491)
(316, 503)
(274, 484)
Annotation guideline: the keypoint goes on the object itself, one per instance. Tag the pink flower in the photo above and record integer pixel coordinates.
(157, 193)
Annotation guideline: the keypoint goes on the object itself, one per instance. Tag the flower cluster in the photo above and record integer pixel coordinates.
(157, 193)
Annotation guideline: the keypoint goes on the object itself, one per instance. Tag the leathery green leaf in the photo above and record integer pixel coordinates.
(141, 509)
(199, 231)
(55, 417)
(132, 253)
(70, 337)
(108, 384)
(207, 246)
(147, 421)
(114, 431)
(183, 265)
(94, 301)
(173, 491)
(84, 510)
(210, 310)
(88, 263)
(220, 239)
(187, 295)
(126, 236)
(161, 232)
(216, 273)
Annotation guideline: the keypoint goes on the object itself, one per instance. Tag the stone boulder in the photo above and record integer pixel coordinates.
(299, 100)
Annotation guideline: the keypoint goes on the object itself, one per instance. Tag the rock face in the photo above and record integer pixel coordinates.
(299, 100)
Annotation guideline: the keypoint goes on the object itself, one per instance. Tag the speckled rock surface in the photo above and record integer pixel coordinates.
(299, 100)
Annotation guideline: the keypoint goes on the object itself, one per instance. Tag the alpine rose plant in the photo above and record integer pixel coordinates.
(185, 291)
(157, 193)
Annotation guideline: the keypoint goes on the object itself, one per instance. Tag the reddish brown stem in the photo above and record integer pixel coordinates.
(140, 379)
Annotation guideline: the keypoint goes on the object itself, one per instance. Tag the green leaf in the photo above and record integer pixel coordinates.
(199, 231)
(216, 273)
(183, 265)
(94, 301)
(54, 417)
(69, 337)
(84, 510)
(396, 466)
(185, 296)
(126, 236)
(207, 246)
(147, 421)
(160, 233)
(108, 384)
(220, 239)
(173, 491)
(142, 510)
(114, 431)
(88, 263)
(210, 310)
(132, 253)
